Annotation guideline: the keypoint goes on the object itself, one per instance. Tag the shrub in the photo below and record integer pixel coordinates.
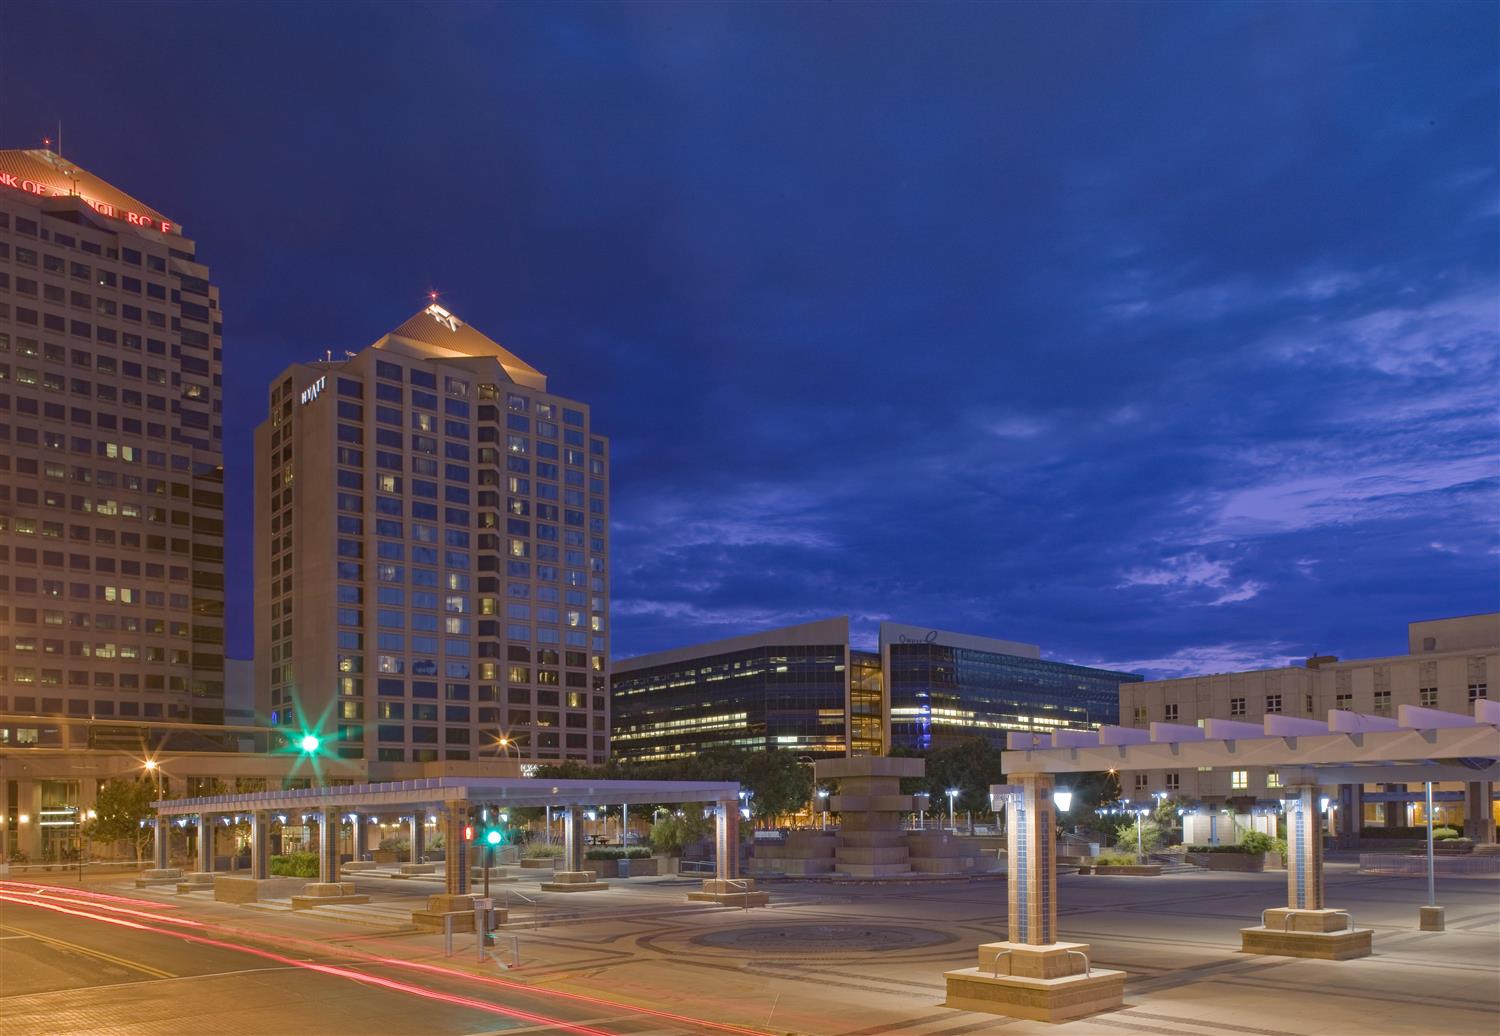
(1253, 842)
(1217, 849)
(1444, 833)
(542, 851)
(394, 844)
(295, 865)
(638, 852)
(1116, 860)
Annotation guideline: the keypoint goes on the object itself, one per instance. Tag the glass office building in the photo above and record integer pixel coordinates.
(787, 688)
(943, 688)
(806, 689)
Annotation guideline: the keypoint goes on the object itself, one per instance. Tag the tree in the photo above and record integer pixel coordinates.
(672, 833)
(970, 766)
(121, 806)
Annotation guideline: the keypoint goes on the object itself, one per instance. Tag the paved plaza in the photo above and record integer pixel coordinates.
(840, 959)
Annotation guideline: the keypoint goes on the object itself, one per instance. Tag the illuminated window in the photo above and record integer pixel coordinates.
(1239, 780)
(1273, 778)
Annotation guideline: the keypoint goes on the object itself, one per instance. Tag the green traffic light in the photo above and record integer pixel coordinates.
(492, 836)
(309, 743)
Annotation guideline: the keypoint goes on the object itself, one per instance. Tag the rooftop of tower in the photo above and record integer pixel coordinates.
(46, 174)
(435, 331)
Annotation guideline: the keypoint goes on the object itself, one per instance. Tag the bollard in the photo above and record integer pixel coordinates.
(448, 935)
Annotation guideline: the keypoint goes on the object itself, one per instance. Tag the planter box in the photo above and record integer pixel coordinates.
(1150, 870)
(1244, 862)
(539, 863)
(611, 868)
(387, 857)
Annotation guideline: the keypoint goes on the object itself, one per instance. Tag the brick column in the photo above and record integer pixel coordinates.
(455, 850)
(1351, 815)
(415, 849)
(572, 843)
(260, 838)
(1304, 850)
(1032, 885)
(205, 843)
(328, 846)
(727, 841)
(1479, 812)
(162, 855)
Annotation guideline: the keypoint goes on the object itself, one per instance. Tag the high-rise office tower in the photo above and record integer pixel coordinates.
(111, 478)
(431, 555)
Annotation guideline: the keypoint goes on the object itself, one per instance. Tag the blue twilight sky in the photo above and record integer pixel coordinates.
(1164, 336)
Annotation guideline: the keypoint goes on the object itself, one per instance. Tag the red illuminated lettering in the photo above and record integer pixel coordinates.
(32, 187)
(166, 228)
(9, 180)
(131, 217)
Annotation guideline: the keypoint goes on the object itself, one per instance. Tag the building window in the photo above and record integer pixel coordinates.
(1140, 715)
(1308, 704)
(1429, 697)
(1174, 782)
(1382, 703)
(1273, 778)
(1478, 691)
(1236, 706)
(1239, 780)
(1273, 703)
(1140, 784)
(1344, 702)
(1169, 713)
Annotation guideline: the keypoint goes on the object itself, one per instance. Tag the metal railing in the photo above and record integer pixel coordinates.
(1291, 913)
(1403, 865)
(744, 886)
(1088, 968)
(536, 908)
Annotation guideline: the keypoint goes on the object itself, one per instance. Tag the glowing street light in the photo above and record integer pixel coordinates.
(309, 743)
(1062, 798)
(952, 823)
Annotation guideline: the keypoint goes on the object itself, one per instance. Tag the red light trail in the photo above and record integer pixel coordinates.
(327, 969)
(40, 894)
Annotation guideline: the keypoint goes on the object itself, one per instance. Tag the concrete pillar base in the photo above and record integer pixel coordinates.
(1432, 919)
(573, 881)
(1047, 983)
(419, 868)
(327, 893)
(1319, 934)
(159, 876)
(740, 892)
(196, 881)
(461, 908)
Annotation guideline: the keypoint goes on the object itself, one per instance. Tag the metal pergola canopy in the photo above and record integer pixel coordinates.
(1349, 748)
(501, 791)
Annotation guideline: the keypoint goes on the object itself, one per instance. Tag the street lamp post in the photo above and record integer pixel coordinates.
(952, 823)
(823, 798)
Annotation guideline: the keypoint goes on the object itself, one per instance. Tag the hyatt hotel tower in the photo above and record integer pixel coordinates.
(111, 478)
(431, 556)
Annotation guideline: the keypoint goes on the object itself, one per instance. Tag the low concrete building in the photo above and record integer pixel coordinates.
(1447, 666)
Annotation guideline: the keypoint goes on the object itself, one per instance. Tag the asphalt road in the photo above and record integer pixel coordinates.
(75, 964)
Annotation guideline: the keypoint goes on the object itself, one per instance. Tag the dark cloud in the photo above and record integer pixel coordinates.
(1160, 336)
